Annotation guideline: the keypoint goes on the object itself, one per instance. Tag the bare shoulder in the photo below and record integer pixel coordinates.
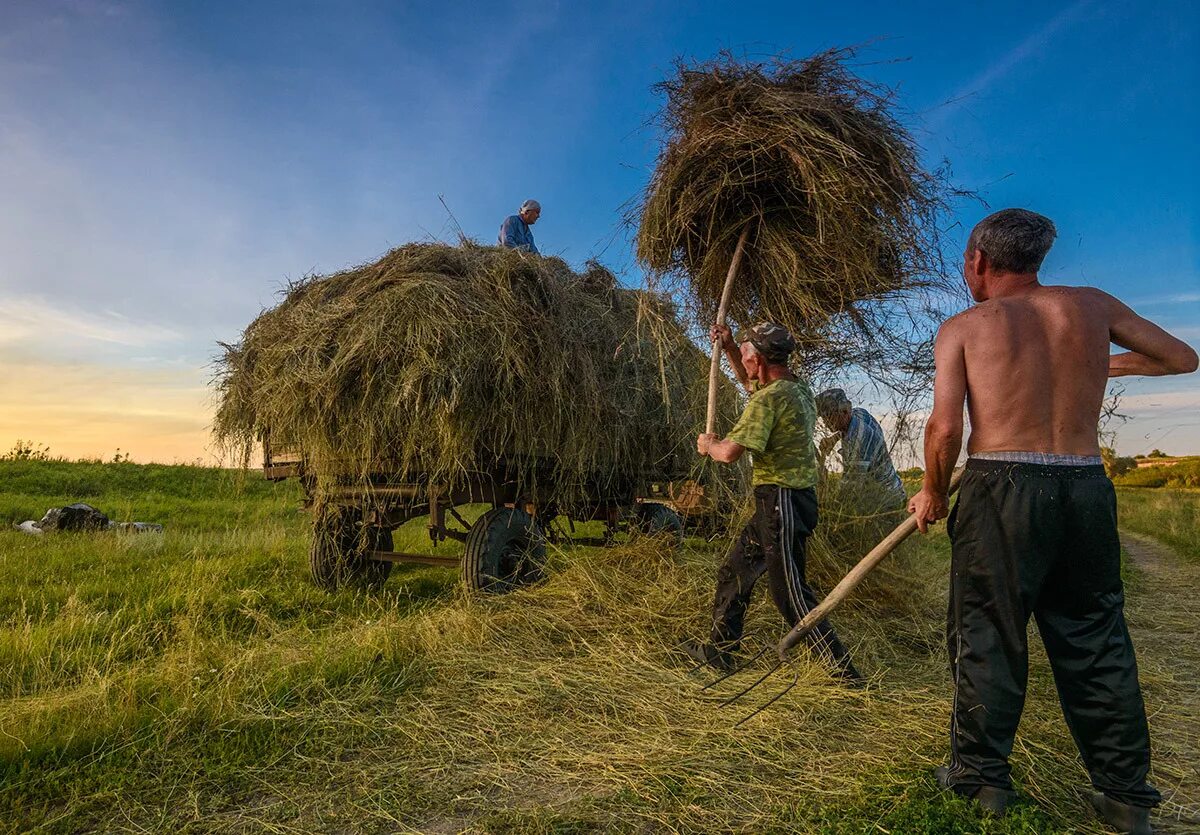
(1091, 297)
(954, 327)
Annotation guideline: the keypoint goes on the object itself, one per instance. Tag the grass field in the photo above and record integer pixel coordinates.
(198, 682)
(1170, 515)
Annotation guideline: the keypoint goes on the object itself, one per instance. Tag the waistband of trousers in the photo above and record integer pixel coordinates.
(1055, 459)
(760, 489)
(1026, 470)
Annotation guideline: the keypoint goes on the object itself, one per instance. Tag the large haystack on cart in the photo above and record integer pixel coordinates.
(441, 376)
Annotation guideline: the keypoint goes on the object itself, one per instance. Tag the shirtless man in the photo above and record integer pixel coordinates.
(1034, 531)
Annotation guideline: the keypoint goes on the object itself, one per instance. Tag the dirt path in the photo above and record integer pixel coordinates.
(1163, 605)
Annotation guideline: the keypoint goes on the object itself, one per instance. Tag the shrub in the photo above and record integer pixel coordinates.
(1183, 474)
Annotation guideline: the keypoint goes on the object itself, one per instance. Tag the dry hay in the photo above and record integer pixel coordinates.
(567, 698)
(439, 361)
(843, 218)
(558, 708)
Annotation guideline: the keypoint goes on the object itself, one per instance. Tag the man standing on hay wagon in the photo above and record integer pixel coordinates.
(515, 232)
(1034, 530)
(777, 427)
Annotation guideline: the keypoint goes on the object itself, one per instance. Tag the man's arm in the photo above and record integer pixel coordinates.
(508, 234)
(1152, 351)
(727, 452)
(722, 334)
(751, 432)
(943, 432)
(827, 444)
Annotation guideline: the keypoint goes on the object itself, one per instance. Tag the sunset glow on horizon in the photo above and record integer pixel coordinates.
(167, 168)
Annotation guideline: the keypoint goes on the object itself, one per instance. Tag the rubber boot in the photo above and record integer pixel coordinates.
(1123, 817)
(703, 653)
(990, 799)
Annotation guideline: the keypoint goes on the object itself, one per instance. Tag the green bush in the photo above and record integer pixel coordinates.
(1183, 474)
(1170, 516)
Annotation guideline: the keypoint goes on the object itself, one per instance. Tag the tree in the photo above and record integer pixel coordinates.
(1114, 464)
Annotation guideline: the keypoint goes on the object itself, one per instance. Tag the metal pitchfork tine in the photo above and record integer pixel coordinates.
(738, 669)
(840, 592)
(770, 701)
(737, 696)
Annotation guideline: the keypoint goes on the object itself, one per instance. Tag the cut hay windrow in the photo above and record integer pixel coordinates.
(842, 217)
(438, 361)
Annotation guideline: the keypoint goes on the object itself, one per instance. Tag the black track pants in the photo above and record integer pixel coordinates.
(773, 542)
(1038, 540)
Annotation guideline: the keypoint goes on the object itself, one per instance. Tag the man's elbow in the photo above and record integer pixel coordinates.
(942, 432)
(1186, 361)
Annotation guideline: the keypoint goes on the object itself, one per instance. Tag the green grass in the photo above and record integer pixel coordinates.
(198, 682)
(1172, 516)
(1183, 474)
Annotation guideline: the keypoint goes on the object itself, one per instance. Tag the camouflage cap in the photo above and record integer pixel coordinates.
(771, 340)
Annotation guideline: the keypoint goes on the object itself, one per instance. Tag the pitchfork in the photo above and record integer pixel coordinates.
(840, 592)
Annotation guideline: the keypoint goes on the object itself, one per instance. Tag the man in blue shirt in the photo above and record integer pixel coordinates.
(514, 232)
(865, 456)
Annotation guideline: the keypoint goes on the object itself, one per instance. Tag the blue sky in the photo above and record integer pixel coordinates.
(164, 167)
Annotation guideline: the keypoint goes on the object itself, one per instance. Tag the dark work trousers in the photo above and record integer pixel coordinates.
(773, 543)
(1032, 539)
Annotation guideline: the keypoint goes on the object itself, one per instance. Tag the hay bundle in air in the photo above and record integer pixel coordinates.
(841, 213)
(437, 361)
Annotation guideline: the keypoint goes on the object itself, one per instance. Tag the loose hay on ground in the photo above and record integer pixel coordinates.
(557, 708)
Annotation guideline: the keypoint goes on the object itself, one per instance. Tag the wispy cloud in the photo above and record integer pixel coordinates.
(1188, 333)
(1173, 298)
(1010, 60)
(31, 322)
(1169, 419)
(89, 410)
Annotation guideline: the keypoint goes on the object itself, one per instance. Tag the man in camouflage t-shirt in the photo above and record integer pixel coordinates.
(777, 428)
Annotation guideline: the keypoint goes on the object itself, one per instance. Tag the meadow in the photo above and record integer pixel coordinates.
(1169, 515)
(196, 681)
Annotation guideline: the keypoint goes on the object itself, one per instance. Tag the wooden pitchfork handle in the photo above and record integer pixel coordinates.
(714, 371)
(842, 590)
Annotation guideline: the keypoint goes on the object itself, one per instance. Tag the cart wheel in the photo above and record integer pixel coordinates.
(654, 519)
(505, 549)
(338, 554)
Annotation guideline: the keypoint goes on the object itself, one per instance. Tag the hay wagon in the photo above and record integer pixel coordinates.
(505, 547)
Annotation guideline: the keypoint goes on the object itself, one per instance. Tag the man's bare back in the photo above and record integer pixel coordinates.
(1030, 361)
(1036, 368)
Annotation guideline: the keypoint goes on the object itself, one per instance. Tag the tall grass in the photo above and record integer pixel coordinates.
(198, 682)
(1172, 516)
